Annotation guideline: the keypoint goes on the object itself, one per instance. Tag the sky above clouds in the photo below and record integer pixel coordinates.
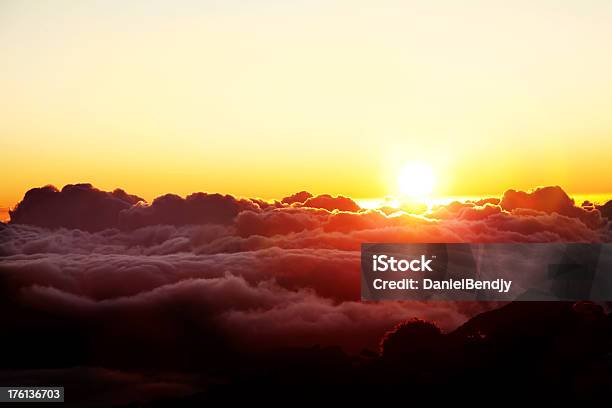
(268, 98)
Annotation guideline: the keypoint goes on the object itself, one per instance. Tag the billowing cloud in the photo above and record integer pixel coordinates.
(298, 197)
(204, 275)
(76, 206)
(549, 200)
(197, 208)
(606, 210)
(330, 203)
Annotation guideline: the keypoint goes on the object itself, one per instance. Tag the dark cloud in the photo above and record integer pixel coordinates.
(299, 197)
(330, 203)
(483, 201)
(280, 221)
(549, 200)
(606, 210)
(89, 209)
(197, 208)
(76, 206)
(81, 206)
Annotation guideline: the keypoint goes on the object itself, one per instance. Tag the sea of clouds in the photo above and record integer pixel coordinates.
(247, 273)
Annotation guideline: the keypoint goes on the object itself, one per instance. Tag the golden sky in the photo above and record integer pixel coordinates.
(265, 98)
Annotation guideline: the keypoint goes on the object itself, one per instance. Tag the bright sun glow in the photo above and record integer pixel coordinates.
(416, 180)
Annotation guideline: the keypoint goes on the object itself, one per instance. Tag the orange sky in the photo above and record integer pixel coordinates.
(266, 98)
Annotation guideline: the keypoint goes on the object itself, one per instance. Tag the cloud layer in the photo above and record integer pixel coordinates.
(206, 274)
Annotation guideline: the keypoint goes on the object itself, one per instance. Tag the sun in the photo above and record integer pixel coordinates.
(416, 180)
